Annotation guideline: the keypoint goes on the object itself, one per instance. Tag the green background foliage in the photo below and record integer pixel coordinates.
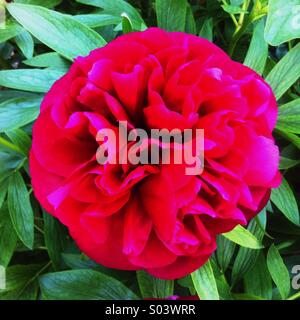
(41, 260)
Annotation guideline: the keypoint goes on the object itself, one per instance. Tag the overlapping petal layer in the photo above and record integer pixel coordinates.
(155, 217)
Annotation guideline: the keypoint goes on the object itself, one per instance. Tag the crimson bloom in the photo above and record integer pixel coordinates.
(155, 217)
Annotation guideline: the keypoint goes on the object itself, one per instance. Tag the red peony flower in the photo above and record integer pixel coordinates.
(155, 217)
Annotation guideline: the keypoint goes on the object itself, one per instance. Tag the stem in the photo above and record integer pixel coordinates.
(231, 15)
(243, 23)
(39, 229)
(236, 36)
(240, 29)
(42, 248)
(239, 32)
(242, 15)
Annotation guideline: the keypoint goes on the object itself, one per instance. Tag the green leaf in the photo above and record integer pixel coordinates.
(11, 94)
(48, 60)
(286, 163)
(278, 271)
(190, 23)
(21, 139)
(286, 72)
(258, 281)
(18, 112)
(60, 32)
(21, 282)
(3, 191)
(283, 23)
(284, 199)
(20, 209)
(126, 24)
(98, 20)
(236, 2)
(207, 29)
(290, 137)
(246, 257)
(171, 14)
(223, 288)
(245, 296)
(55, 239)
(9, 161)
(25, 42)
(81, 261)
(224, 252)
(43, 3)
(11, 30)
(116, 8)
(231, 9)
(83, 285)
(257, 54)
(205, 283)
(243, 237)
(35, 80)
(289, 117)
(9, 147)
(187, 282)
(151, 287)
(8, 237)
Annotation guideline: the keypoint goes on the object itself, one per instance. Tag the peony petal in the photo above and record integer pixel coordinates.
(154, 255)
(137, 227)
